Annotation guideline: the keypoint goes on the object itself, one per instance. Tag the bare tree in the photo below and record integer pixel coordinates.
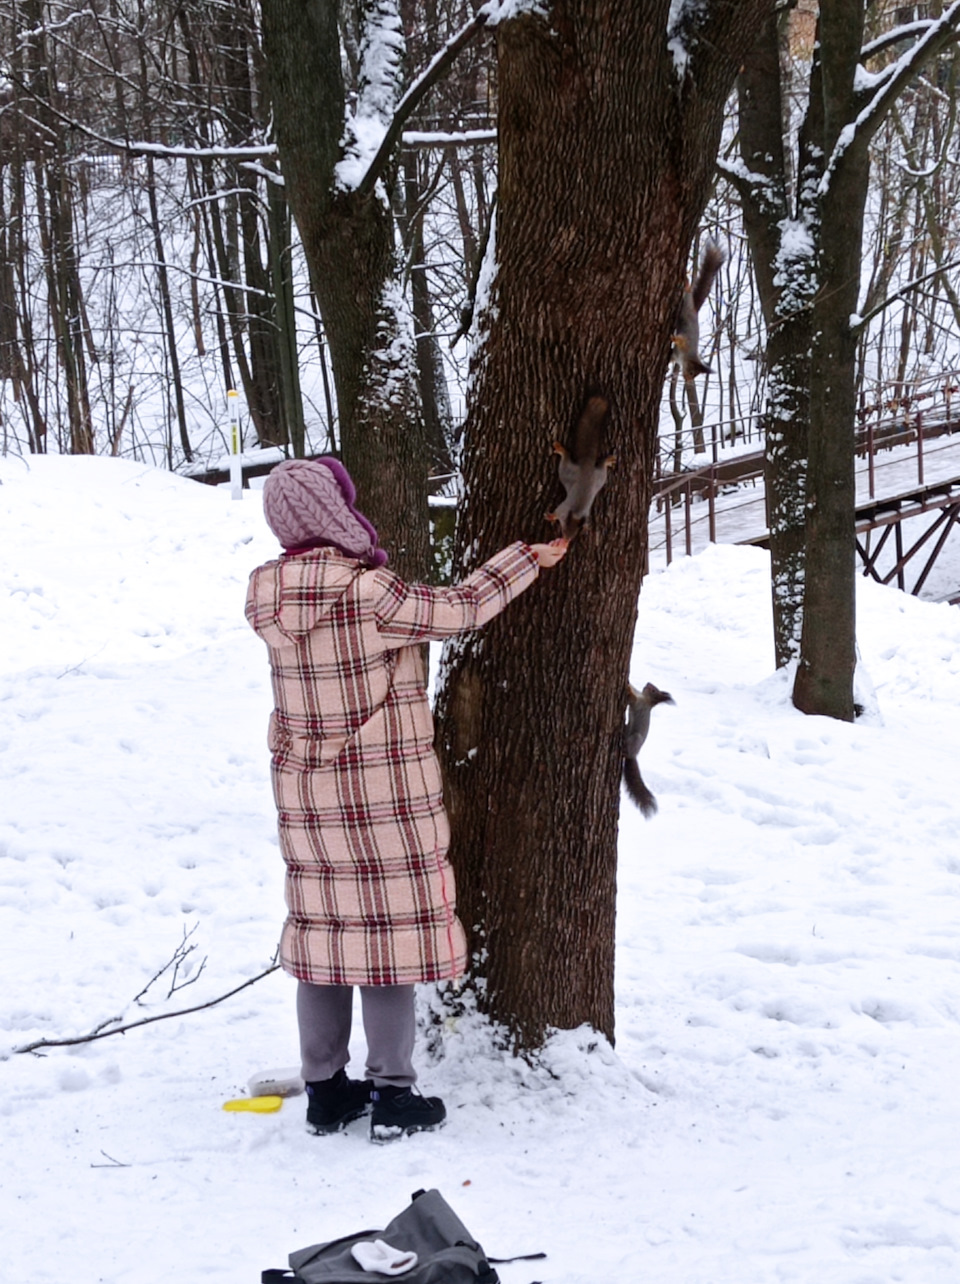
(173, 91)
(340, 197)
(807, 240)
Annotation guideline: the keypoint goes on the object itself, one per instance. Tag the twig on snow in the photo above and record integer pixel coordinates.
(175, 961)
(114, 1163)
(101, 1033)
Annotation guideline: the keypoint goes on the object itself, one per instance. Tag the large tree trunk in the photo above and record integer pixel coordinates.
(808, 271)
(783, 286)
(766, 208)
(824, 681)
(781, 224)
(605, 160)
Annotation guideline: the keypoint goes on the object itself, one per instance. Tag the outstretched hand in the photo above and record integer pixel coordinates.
(549, 554)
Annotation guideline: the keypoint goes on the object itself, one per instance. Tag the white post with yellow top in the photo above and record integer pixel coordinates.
(236, 445)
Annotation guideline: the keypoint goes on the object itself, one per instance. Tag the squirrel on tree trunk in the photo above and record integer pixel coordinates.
(639, 704)
(686, 338)
(582, 471)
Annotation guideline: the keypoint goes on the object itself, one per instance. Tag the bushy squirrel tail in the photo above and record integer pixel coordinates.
(711, 263)
(638, 791)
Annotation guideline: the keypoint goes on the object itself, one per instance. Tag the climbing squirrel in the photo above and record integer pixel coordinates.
(582, 471)
(686, 339)
(639, 704)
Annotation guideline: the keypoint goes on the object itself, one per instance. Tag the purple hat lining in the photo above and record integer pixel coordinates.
(345, 482)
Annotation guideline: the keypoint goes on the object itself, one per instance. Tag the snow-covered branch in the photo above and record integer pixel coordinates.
(134, 148)
(435, 71)
(908, 31)
(491, 14)
(750, 184)
(858, 133)
(201, 278)
(128, 147)
(946, 139)
(463, 138)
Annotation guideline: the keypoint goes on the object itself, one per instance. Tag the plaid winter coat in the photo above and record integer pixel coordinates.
(363, 832)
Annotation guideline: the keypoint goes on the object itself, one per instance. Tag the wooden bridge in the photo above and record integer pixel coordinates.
(908, 491)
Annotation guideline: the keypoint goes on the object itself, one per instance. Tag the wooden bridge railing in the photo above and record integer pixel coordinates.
(894, 415)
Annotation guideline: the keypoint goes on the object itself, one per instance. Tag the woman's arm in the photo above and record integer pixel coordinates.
(409, 613)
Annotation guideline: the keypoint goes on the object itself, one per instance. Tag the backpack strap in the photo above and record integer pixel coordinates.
(275, 1276)
(521, 1257)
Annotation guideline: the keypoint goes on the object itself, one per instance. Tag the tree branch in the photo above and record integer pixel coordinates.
(905, 289)
(894, 37)
(463, 138)
(101, 1033)
(436, 70)
(858, 133)
(748, 184)
(123, 147)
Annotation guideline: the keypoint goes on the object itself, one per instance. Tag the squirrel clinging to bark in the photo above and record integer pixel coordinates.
(639, 704)
(582, 471)
(686, 338)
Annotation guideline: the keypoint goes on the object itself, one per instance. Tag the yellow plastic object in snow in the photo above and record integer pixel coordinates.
(256, 1105)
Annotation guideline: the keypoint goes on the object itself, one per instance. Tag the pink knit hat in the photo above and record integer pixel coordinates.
(310, 503)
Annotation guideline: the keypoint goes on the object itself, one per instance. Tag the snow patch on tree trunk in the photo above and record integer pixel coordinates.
(794, 266)
(392, 365)
(504, 10)
(681, 21)
(485, 308)
(381, 53)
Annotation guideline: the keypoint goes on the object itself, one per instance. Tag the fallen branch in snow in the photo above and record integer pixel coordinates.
(101, 1033)
(176, 961)
(114, 1163)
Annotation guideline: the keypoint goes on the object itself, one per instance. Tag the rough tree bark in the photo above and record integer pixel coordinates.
(608, 140)
(778, 217)
(824, 681)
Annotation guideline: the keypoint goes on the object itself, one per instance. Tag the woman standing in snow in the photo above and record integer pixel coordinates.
(363, 832)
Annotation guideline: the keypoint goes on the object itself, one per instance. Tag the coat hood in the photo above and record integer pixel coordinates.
(289, 597)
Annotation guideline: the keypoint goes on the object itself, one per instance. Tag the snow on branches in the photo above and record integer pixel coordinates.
(381, 53)
(883, 90)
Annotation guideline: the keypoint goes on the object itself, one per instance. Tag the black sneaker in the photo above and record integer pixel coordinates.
(397, 1111)
(333, 1103)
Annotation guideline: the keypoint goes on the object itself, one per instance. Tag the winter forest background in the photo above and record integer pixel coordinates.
(148, 262)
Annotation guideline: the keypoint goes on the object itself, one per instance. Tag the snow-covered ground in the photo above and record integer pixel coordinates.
(782, 1101)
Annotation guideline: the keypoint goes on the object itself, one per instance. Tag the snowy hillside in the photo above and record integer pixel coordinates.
(781, 1104)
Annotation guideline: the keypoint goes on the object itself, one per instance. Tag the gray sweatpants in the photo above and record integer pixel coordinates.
(325, 1012)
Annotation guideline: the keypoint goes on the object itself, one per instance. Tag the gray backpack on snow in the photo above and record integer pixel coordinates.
(446, 1251)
